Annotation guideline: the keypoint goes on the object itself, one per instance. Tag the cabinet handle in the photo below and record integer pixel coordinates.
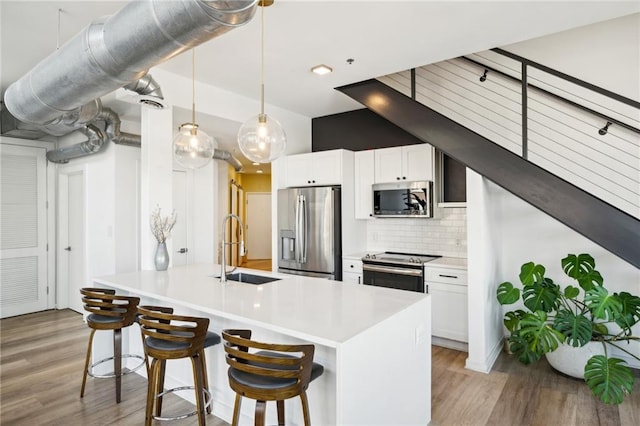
(359, 277)
(397, 177)
(404, 177)
(350, 266)
(447, 276)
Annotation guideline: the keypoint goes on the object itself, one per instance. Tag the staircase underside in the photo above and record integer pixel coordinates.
(602, 223)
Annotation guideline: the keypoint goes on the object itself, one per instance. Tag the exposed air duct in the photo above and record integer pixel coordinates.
(98, 140)
(226, 156)
(95, 143)
(61, 93)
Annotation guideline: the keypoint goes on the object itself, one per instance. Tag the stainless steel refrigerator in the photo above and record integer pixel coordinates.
(309, 232)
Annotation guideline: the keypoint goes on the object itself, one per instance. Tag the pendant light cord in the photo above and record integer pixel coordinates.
(262, 58)
(58, 35)
(193, 90)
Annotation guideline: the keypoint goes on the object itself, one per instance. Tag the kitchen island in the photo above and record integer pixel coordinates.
(373, 342)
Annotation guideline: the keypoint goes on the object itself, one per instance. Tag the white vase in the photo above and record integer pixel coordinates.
(571, 360)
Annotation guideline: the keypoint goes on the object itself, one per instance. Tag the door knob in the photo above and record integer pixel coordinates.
(68, 248)
(183, 250)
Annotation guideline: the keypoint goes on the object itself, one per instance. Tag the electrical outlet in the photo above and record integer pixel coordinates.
(419, 334)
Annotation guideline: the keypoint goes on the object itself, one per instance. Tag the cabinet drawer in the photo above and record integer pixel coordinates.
(445, 275)
(351, 277)
(352, 266)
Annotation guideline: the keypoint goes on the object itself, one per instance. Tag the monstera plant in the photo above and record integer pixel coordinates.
(574, 316)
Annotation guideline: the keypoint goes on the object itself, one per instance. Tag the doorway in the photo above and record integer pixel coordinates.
(258, 228)
(71, 237)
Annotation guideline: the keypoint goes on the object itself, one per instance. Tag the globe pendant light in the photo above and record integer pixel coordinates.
(261, 138)
(192, 148)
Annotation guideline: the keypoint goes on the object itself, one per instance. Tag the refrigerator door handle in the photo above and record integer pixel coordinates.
(303, 229)
(298, 229)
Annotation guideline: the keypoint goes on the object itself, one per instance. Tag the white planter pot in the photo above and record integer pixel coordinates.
(571, 361)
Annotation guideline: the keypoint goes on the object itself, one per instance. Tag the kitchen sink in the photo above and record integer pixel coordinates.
(243, 277)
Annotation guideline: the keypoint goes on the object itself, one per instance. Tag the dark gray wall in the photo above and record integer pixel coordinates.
(357, 131)
(363, 129)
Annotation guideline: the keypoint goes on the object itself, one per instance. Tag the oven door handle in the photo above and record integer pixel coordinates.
(393, 270)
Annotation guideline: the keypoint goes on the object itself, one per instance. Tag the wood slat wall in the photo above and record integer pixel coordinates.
(562, 139)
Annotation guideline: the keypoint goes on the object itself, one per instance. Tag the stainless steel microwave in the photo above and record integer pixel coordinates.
(403, 199)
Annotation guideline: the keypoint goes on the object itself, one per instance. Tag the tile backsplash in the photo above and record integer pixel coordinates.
(445, 235)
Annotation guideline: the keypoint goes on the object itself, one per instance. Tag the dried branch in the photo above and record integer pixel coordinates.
(161, 226)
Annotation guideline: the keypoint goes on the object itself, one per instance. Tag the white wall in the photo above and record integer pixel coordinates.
(126, 207)
(606, 54)
(483, 248)
(547, 243)
(504, 231)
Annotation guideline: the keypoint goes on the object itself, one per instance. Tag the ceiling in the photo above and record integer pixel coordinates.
(382, 37)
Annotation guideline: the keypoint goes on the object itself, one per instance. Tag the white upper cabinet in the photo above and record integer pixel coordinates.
(411, 162)
(314, 169)
(364, 176)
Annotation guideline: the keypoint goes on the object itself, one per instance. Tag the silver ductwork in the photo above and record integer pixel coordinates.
(95, 143)
(226, 156)
(61, 93)
(117, 50)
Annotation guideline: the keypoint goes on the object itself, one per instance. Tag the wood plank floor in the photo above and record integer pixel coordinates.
(42, 355)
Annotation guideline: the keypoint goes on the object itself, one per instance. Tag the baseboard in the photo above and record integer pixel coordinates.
(451, 344)
(486, 365)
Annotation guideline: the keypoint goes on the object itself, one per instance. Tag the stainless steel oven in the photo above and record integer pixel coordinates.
(403, 271)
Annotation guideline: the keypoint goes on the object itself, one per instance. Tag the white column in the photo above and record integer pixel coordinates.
(156, 175)
(485, 329)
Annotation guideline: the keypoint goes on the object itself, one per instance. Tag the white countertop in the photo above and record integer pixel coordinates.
(314, 309)
(448, 262)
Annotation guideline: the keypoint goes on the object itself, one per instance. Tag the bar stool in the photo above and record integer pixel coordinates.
(108, 311)
(272, 373)
(169, 336)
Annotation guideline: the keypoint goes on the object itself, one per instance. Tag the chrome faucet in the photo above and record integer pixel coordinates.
(223, 257)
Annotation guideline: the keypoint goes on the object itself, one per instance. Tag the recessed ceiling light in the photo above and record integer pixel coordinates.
(255, 164)
(322, 69)
(259, 171)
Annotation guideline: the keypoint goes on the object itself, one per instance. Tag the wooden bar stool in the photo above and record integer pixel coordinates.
(108, 311)
(168, 336)
(274, 373)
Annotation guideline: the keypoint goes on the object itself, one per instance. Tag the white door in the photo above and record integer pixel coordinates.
(180, 250)
(233, 228)
(23, 240)
(258, 227)
(71, 235)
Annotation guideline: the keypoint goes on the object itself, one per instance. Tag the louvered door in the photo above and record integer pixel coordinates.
(23, 237)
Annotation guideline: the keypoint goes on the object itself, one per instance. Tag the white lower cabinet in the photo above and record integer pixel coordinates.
(448, 290)
(351, 270)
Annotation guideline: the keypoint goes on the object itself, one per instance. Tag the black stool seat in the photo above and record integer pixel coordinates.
(271, 383)
(101, 319)
(268, 372)
(211, 339)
